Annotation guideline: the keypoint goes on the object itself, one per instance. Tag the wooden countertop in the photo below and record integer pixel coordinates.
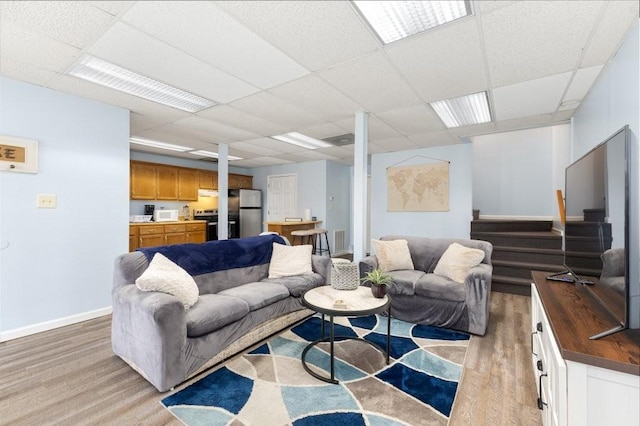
(304, 222)
(575, 315)
(167, 223)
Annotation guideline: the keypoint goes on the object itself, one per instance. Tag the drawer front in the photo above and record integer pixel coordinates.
(196, 227)
(175, 228)
(150, 230)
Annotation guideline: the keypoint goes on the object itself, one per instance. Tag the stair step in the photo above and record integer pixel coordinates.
(528, 254)
(504, 284)
(523, 269)
(490, 225)
(544, 240)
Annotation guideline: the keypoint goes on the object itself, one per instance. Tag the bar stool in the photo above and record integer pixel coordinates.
(318, 237)
(305, 236)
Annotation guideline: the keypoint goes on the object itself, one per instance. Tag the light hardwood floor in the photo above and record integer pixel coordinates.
(70, 376)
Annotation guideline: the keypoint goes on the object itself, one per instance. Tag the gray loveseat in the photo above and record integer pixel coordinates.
(422, 297)
(237, 306)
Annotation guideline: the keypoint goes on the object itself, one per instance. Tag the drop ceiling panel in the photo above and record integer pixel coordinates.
(377, 128)
(24, 72)
(437, 138)
(530, 97)
(315, 155)
(208, 33)
(74, 23)
(112, 7)
(276, 145)
(134, 50)
(272, 108)
(337, 151)
(412, 120)
(211, 130)
(257, 149)
(380, 90)
(164, 134)
(35, 49)
(318, 97)
(323, 131)
(401, 143)
(614, 24)
(242, 120)
(525, 122)
(317, 34)
(518, 38)
(581, 83)
(443, 63)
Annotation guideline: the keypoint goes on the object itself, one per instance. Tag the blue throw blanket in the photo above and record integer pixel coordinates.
(220, 255)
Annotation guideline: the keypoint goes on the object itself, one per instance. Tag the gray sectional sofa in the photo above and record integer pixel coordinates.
(237, 306)
(422, 297)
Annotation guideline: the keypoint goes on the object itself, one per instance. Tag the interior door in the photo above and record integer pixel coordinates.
(281, 197)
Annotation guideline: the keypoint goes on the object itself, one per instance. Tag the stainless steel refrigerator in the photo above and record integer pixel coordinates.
(245, 206)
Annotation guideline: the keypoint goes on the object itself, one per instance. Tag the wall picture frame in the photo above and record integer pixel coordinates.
(18, 154)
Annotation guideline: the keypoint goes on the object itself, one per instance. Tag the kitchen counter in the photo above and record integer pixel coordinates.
(286, 228)
(174, 222)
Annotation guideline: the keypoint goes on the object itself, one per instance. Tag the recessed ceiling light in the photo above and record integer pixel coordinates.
(110, 75)
(304, 141)
(465, 110)
(394, 20)
(210, 154)
(161, 145)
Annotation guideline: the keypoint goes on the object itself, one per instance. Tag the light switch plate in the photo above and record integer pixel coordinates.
(47, 201)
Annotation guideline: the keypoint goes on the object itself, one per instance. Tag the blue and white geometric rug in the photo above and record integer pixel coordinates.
(268, 385)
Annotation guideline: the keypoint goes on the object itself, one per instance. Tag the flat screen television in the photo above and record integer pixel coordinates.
(596, 234)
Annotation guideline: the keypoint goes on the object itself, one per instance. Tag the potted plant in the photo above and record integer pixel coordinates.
(379, 282)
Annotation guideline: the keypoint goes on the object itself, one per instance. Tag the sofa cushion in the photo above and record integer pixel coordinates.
(288, 261)
(404, 281)
(392, 255)
(258, 295)
(457, 260)
(438, 287)
(299, 284)
(212, 312)
(165, 276)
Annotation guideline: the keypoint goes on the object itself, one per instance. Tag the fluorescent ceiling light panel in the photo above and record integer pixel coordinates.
(210, 154)
(463, 111)
(161, 145)
(302, 140)
(106, 74)
(394, 20)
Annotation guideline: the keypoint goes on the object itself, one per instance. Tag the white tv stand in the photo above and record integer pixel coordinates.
(581, 381)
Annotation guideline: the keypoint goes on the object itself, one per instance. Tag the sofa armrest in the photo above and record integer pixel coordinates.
(367, 264)
(478, 291)
(149, 331)
(322, 266)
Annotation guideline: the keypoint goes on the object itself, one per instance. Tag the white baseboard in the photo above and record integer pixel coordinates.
(50, 325)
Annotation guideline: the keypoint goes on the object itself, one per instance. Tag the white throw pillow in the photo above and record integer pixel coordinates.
(287, 261)
(392, 255)
(165, 276)
(456, 262)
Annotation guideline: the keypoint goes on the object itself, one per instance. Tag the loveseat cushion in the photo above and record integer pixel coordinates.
(438, 287)
(404, 281)
(212, 312)
(299, 284)
(258, 295)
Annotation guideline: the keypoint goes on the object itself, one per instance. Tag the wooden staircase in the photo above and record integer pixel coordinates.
(519, 246)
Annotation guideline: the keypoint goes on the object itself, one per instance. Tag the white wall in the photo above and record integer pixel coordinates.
(516, 174)
(57, 266)
(453, 224)
(339, 188)
(614, 101)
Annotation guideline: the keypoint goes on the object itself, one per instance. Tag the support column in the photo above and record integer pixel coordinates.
(223, 191)
(360, 201)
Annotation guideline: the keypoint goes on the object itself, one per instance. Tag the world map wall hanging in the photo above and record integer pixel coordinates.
(418, 188)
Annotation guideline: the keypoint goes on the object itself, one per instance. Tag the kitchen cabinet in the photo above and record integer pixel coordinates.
(240, 181)
(142, 178)
(160, 234)
(188, 184)
(167, 181)
(196, 232)
(207, 179)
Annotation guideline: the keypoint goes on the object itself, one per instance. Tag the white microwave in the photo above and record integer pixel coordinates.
(165, 215)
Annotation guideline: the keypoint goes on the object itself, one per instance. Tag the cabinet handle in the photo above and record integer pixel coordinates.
(541, 403)
(539, 365)
(539, 327)
(532, 334)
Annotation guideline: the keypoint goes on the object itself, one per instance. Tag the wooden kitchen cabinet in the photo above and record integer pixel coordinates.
(150, 236)
(142, 178)
(133, 237)
(207, 179)
(196, 232)
(167, 181)
(240, 181)
(188, 184)
(175, 234)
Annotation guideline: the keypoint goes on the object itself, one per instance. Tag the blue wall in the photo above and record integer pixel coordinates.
(58, 263)
(453, 224)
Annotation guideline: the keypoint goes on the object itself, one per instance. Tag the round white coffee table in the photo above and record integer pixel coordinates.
(355, 303)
